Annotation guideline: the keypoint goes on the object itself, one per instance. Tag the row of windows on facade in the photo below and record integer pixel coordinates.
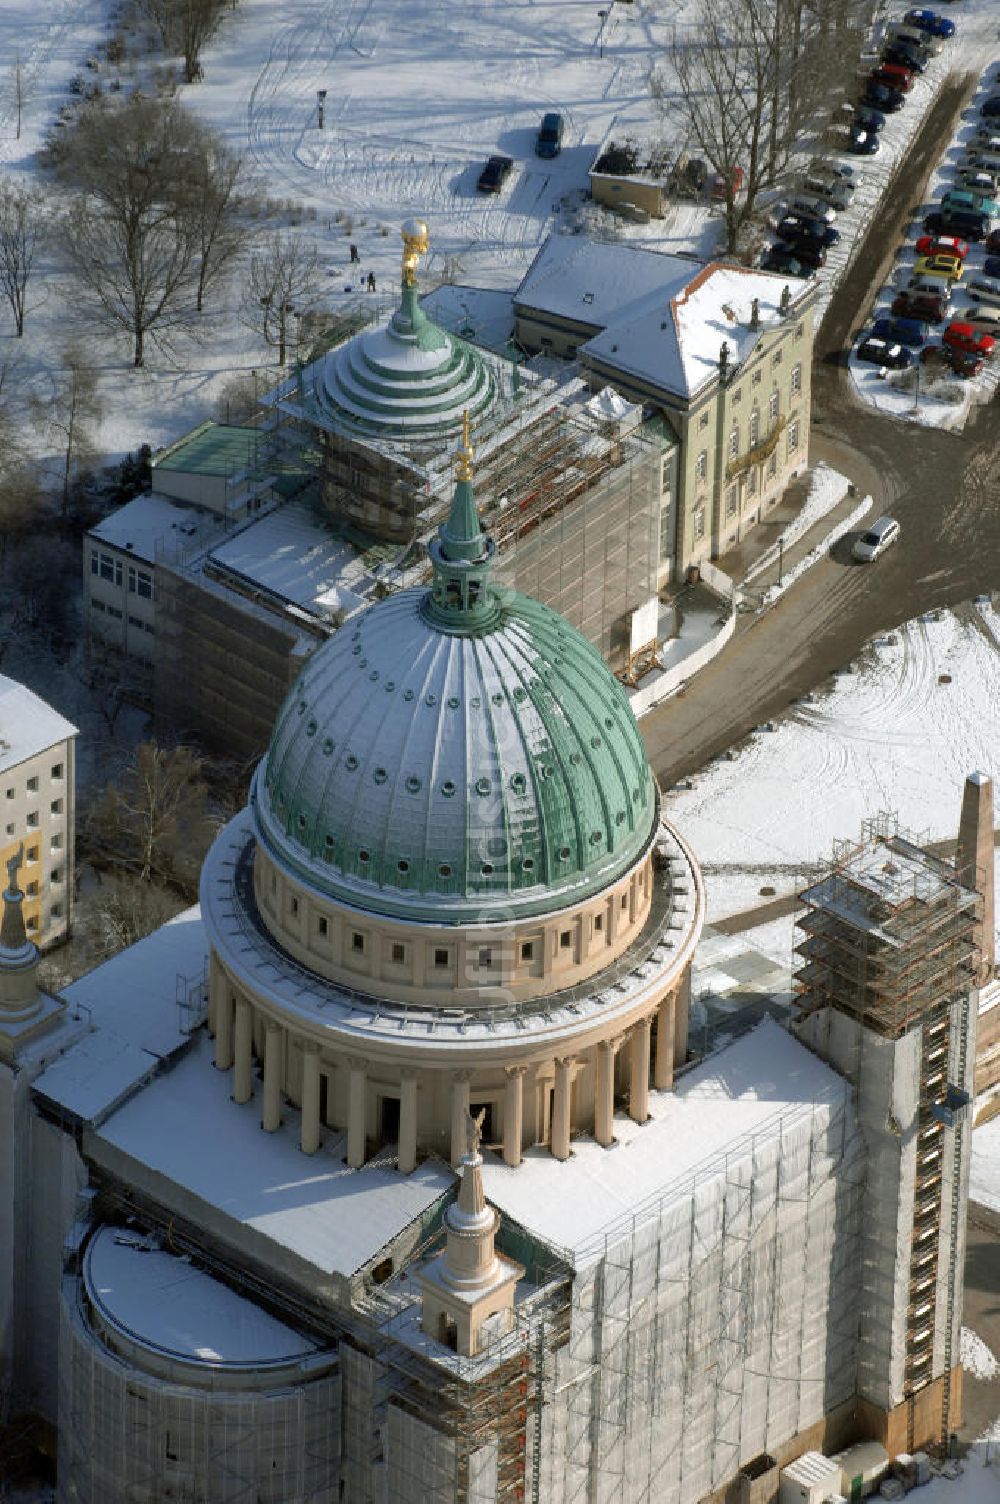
(754, 479)
(108, 567)
(488, 955)
(756, 378)
(753, 429)
(116, 614)
(56, 773)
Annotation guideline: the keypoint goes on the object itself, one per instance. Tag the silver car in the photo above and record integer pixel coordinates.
(812, 207)
(883, 532)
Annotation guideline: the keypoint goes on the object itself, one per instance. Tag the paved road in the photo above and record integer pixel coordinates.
(943, 487)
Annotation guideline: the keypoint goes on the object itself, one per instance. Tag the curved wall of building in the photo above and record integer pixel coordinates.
(145, 1415)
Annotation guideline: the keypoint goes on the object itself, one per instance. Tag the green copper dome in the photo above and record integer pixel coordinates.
(457, 754)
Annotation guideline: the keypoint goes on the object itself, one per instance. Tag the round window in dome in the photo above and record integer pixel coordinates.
(403, 866)
(453, 702)
(328, 745)
(350, 762)
(564, 853)
(379, 775)
(497, 699)
(487, 869)
(483, 786)
(373, 675)
(448, 788)
(302, 707)
(527, 864)
(364, 855)
(431, 700)
(413, 784)
(310, 727)
(620, 817)
(518, 783)
(302, 822)
(390, 685)
(408, 695)
(595, 742)
(596, 837)
(444, 870)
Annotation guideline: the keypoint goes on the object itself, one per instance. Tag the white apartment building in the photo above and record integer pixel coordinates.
(38, 794)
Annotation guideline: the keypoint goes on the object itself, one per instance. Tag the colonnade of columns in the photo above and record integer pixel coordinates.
(233, 1023)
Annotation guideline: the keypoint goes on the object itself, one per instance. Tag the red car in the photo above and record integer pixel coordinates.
(963, 337)
(942, 245)
(922, 306)
(892, 76)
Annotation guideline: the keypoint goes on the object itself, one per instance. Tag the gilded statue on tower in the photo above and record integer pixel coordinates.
(416, 239)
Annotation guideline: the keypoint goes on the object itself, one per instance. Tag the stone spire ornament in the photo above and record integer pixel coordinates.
(469, 1284)
(19, 997)
(461, 596)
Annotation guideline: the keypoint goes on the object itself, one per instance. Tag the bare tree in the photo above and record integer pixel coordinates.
(130, 233)
(153, 821)
(185, 26)
(284, 282)
(215, 180)
(18, 92)
(122, 911)
(21, 229)
(70, 413)
(745, 82)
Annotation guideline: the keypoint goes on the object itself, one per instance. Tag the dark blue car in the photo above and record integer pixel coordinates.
(869, 119)
(902, 331)
(992, 266)
(550, 134)
(931, 22)
(862, 143)
(881, 98)
(795, 227)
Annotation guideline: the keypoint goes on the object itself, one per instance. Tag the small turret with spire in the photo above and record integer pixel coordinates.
(469, 1284)
(19, 996)
(461, 597)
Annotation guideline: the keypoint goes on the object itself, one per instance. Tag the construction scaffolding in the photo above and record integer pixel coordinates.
(890, 966)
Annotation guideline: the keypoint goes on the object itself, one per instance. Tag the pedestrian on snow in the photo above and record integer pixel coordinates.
(354, 255)
(371, 281)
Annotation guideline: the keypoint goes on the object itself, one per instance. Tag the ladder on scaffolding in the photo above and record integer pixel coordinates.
(955, 1229)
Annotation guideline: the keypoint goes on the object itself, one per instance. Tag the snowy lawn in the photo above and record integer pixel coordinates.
(984, 1184)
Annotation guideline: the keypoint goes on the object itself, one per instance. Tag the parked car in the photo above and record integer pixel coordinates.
(548, 142)
(991, 266)
(862, 143)
(717, 187)
(984, 289)
(936, 357)
(914, 332)
(830, 167)
(494, 174)
(793, 227)
(986, 136)
(883, 532)
(806, 252)
(893, 76)
(942, 245)
(993, 243)
(920, 284)
(877, 97)
(990, 108)
(880, 352)
(808, 206)
(930, 22)
(964, 364)
(910, 58)
(982, 158)
(955, 222)
(912, 36)
(962, 336)
(784, 258)
(832, 191)
(868, 118)
(929, 307)
(984, 318)
(942, 265)
(979, 180)
(973, 203)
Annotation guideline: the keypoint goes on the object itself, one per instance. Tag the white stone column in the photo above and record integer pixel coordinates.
(638, 1096)
(513, 1115)
(663, 1078)
(357, 1089)
(561, 1117)
(408, 1121)
(309, 1130)
(243, 1051)
(682, 1006)
(604, 1096)
(459, 1116)
(223, 1026)
(270, 1117)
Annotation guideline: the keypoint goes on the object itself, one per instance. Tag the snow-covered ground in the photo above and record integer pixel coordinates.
(984, 1184)
(888, 736)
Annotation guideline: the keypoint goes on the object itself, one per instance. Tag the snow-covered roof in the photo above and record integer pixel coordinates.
(294, 554)
(672, 340)
(482, 314)
(746, 1094)
(136, 1022)
(162, 1301)
(593, 282)
(146, 521)
(185, 1127)
(28, 724)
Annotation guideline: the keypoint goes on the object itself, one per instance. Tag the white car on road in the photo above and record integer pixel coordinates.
(883, 532)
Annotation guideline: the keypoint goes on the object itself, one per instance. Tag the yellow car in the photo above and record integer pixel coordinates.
(949, 267)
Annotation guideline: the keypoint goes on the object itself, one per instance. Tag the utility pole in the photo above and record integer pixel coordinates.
(320, 107)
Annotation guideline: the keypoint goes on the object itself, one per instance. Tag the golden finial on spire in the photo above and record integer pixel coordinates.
(416, 239)
(466, 452)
